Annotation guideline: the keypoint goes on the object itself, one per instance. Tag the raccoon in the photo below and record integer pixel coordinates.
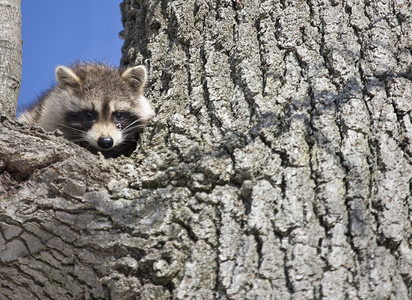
(94, 105)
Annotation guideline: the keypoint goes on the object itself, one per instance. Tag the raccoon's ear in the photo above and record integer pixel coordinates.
(136, 77)
(66, 77)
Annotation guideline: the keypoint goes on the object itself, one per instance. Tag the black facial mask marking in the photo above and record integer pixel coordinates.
(82, 120)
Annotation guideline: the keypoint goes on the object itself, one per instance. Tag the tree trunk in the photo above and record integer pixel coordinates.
(10, 55)
(278, 165)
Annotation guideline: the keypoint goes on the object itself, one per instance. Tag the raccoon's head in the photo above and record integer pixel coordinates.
(101, 106)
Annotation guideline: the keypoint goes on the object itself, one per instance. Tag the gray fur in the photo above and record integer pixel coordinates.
(97, 88)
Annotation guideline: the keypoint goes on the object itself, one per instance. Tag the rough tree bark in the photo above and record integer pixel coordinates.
(10, 55)
(278, 166)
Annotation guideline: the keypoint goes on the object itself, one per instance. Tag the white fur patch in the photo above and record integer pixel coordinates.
(99, 130)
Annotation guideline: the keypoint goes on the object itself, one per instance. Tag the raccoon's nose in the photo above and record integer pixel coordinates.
(105, 142)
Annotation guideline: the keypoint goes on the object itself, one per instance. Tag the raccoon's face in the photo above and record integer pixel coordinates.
(103, 130)
(102, 107)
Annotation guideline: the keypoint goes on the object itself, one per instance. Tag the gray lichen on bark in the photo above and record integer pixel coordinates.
(278, 165)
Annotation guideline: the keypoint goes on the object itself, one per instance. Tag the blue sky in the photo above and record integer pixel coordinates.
(58, 32)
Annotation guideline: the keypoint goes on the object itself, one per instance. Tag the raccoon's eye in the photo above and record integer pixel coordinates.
(89, 114)
(119, 115)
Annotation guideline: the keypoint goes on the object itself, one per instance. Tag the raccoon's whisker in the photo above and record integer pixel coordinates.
(88, 147)
(133, 123)
(79, 140)
(131, 128)
(72, 128)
